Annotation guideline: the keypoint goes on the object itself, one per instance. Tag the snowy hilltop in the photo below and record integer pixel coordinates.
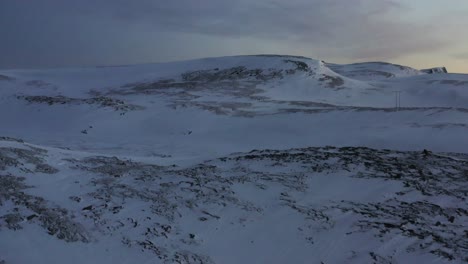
(245, 159)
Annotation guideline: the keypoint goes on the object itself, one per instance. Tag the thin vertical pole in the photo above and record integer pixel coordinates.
(398, 100)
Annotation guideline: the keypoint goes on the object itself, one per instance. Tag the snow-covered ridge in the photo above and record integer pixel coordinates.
(369, 71)
(273, 77)
(164, 99)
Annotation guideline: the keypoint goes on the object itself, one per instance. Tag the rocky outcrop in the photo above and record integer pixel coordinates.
(435, 70)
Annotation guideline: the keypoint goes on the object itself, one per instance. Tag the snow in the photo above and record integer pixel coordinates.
(139, 147)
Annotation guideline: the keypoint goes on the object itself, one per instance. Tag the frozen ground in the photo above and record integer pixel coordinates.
(249, 159)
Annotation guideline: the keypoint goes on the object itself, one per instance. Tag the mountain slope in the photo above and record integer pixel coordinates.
(256, 159)
(292, 205)
(186, 108)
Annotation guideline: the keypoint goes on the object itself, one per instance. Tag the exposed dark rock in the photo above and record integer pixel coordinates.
(116, 104)
(332, 81)
(6, 78)
(11, 139)
(87, 208)
(200, 192)
(19, 157)
(436, 70)
(53, 219)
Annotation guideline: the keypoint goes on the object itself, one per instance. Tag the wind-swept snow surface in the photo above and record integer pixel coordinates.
(248, 159)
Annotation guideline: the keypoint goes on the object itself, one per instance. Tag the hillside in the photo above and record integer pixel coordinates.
(246, 159)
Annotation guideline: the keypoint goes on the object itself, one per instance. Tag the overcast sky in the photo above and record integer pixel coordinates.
(55, 33)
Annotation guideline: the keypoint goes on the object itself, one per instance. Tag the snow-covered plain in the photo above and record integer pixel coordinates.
(247, 159)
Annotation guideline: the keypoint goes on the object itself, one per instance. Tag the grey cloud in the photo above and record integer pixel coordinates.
(61, 32)
(306, 20)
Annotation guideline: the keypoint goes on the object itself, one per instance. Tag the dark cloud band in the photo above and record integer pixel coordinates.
(66, 32)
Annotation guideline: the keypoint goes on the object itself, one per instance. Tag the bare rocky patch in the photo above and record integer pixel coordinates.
(437, 230)
(29, 209)
(27, 160)
(3, 138)
(168, 194)
(38, 83)
(145, 205)
(6, 78)
(332, 81)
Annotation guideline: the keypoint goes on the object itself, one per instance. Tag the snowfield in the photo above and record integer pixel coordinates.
(247, 159)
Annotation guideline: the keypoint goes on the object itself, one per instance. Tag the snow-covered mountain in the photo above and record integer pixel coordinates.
(247, 159)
